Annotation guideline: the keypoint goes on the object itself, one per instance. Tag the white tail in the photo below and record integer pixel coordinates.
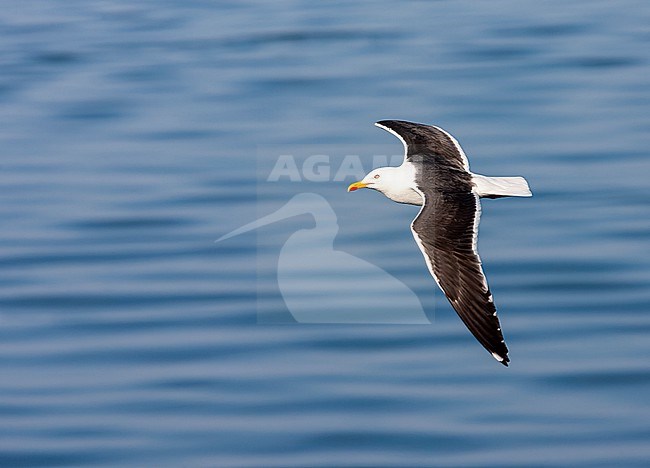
(491, 187)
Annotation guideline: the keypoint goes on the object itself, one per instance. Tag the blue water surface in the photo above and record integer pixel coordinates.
(134, 134)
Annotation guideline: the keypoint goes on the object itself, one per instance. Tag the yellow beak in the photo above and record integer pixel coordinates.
(356, 186)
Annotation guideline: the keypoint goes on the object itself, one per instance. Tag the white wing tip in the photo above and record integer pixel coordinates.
(497, 357)
(502, 360)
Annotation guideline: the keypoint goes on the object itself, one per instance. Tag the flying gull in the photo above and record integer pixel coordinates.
(435, 175)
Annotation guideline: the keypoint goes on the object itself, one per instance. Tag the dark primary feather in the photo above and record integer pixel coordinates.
(445, 230)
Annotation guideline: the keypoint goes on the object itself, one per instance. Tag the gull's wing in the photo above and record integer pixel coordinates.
(446, 229)
(427, 142)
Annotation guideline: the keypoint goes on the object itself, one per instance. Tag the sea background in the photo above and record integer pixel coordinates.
(134, 134)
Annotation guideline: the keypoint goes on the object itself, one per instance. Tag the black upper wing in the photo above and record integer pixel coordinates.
(427, 142)
(446, 230)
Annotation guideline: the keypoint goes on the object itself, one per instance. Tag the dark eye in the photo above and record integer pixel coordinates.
(376, 176)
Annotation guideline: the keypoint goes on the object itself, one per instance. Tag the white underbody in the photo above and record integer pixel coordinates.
(402, 188)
